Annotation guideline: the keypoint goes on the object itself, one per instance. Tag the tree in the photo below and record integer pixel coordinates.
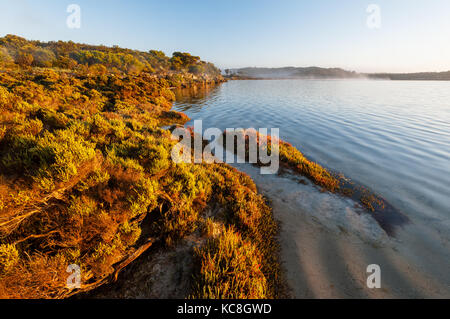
(197, 69)
(24, 59)
(66, 63)
(4, 55)
(13, 41)
(158, 54)
(181, 60)
(43, 57)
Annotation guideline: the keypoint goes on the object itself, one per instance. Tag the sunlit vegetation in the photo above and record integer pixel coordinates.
(231, 267)
(247, 227)
(86, 175)
(291, 158)
(73, 56)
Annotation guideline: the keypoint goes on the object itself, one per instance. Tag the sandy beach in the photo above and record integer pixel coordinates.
(328, 241)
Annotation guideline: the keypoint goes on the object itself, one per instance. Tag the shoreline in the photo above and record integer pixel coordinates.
(327, 243)
(325, 255)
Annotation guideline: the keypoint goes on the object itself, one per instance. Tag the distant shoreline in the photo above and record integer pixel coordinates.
(290, 73)
(237, 78)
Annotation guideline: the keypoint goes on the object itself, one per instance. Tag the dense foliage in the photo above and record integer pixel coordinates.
(86, 176)
(73, 56)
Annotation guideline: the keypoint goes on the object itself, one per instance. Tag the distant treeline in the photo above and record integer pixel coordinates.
(292, 72)
(424, 76)
(70, 55)
(329, 73)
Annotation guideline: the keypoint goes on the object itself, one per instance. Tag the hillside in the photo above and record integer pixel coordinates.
(86, 177)
(293, 73)
(74, 56)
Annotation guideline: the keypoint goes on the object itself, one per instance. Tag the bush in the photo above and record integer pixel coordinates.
(229, 268)
(4, 56)
(24, 59)
(43, 57)
(9, 257)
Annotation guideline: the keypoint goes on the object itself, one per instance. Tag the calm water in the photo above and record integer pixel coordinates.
(393, 137)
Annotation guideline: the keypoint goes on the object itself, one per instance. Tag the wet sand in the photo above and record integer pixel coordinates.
(327, 242)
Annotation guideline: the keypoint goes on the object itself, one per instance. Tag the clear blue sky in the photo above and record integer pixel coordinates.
(414, 34)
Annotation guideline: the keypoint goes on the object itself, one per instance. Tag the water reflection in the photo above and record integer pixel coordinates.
(194, 99)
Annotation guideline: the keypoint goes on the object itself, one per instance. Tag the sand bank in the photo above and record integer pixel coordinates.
(327, 242)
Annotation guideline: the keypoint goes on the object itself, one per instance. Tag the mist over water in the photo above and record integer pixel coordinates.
(393, 137)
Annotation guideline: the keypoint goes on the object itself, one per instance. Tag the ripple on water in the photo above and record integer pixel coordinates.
(391, 136)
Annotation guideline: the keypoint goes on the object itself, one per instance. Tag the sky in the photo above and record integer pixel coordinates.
(412, 35)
